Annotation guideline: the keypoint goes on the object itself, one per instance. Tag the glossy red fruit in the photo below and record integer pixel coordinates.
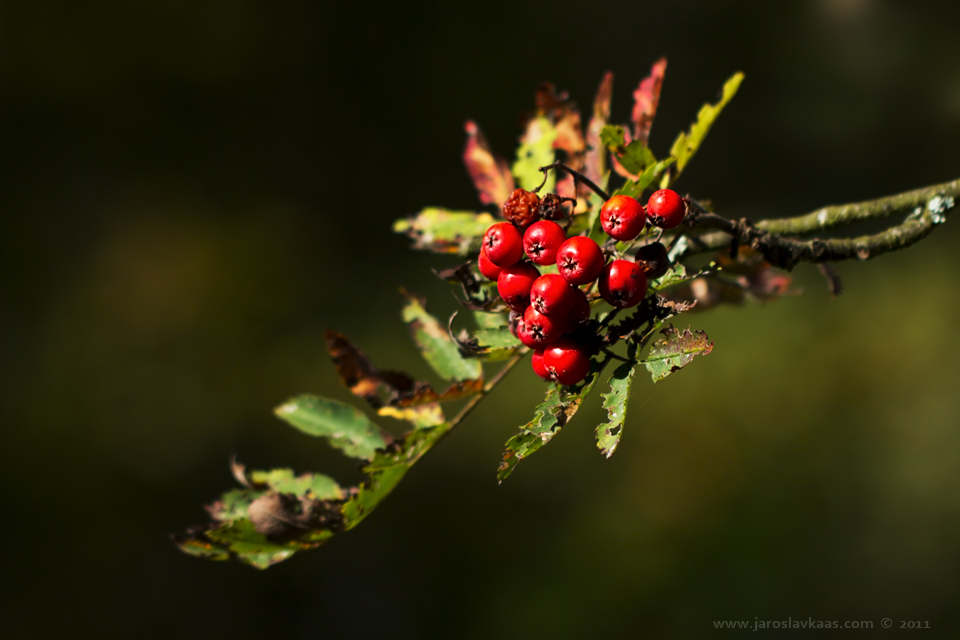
(537, 361)
(542, 240)
(666, 208)
(623, 284)
(503, 244)
(622, 217)
(537, 330)
(566, 361)
(579, 260)
(489, 270)
(580, 311)
(514, 284)
(552, 295)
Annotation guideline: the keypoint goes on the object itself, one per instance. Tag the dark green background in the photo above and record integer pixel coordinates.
(192, 191)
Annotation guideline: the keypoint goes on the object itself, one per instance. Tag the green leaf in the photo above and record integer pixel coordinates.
(488, 320)
(233, 504)
(346, 428)
(312, 485)
(244, 542)
(559, 405)
(535, 151)
(261, 528)
(439, 350)
(675, 351)
(443, 231)
(635, 188)
(615, 402)
(634, 157)
(499, 338)
(676, 274)
(613, 137)
(686, 144)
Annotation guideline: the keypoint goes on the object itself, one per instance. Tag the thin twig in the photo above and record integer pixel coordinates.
(576, 175)
(487, 388)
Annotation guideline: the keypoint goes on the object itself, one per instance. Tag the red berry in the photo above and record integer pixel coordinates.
(579, 260)
(551, 295)
(567, 361)
(623, 283)
(538, 330)
(580, 311)
(537, 361)
(514, 284)
(622, 217)
(489, 270)
(542, 240)
(503, 244)
(666, 208)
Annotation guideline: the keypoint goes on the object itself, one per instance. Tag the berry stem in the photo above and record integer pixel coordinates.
(577, 176)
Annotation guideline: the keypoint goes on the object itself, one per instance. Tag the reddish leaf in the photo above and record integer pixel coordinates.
(490, 175)
(595, 159)
(646, 98)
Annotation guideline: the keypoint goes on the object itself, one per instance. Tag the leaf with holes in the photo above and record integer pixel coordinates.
(675, 351)
(615, 402)
(560, 404)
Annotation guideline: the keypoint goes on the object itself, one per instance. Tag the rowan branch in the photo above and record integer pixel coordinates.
(774, 239)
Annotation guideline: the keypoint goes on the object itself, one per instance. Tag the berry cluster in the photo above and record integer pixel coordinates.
(549, 308)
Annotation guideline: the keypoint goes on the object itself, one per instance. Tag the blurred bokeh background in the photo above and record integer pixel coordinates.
(192, 191)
